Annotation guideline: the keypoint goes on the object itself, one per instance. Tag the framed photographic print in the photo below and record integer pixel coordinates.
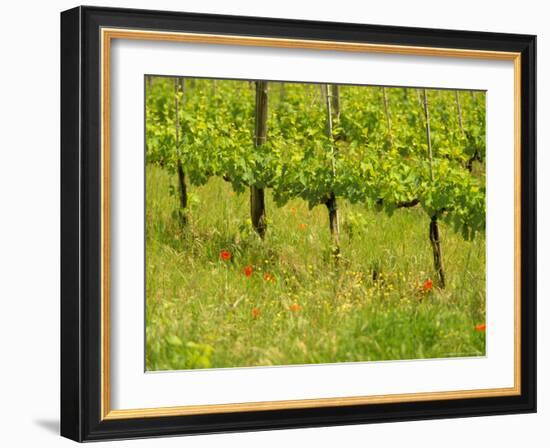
(273, 223)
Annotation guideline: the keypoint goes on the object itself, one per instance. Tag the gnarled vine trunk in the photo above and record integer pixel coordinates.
(257, 195)
(332, 98)
(182, 187)
(434, 226)
(179, 87)
(334, 224)
(436, 250)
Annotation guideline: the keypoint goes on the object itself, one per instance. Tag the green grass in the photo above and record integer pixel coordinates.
(200, 310)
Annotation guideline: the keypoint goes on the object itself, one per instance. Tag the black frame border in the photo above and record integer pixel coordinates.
(81, 223)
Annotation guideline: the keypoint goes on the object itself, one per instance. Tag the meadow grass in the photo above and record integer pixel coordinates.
(298, 306)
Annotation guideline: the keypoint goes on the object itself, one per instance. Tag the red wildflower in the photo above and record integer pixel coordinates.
(295, 307)
(303, 226)
(225, 255)
(248, 270)
(428, 285)
(268, 277)
(480, 327)
(293, 210)
(256, 312)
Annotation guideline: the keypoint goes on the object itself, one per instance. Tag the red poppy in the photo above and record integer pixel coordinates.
(428, 285)
(480, 327)
(295, 307)
(248, 270)
(256, 312)
(225, 255)
(268, 277)
(303, 226)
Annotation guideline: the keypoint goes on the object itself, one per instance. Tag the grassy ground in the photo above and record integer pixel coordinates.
(296, 306)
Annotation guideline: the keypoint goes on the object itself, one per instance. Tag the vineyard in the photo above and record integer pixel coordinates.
(293, 223)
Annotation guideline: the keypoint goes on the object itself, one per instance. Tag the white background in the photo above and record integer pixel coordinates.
(133, 388)
(29, 228)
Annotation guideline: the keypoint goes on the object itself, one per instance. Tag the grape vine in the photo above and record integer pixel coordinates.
(384, 147)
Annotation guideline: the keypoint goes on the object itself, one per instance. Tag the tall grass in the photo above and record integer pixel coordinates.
(298, 306)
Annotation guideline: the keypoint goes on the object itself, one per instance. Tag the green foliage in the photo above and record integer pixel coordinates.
(365, 162)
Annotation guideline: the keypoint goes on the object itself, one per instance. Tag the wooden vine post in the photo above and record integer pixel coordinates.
(179, 88)
(257, 195)
(459, 113)
(475, 156)
(388, 118)
(332, 98)
(470, 162)
(282, 93)
(435, 239)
